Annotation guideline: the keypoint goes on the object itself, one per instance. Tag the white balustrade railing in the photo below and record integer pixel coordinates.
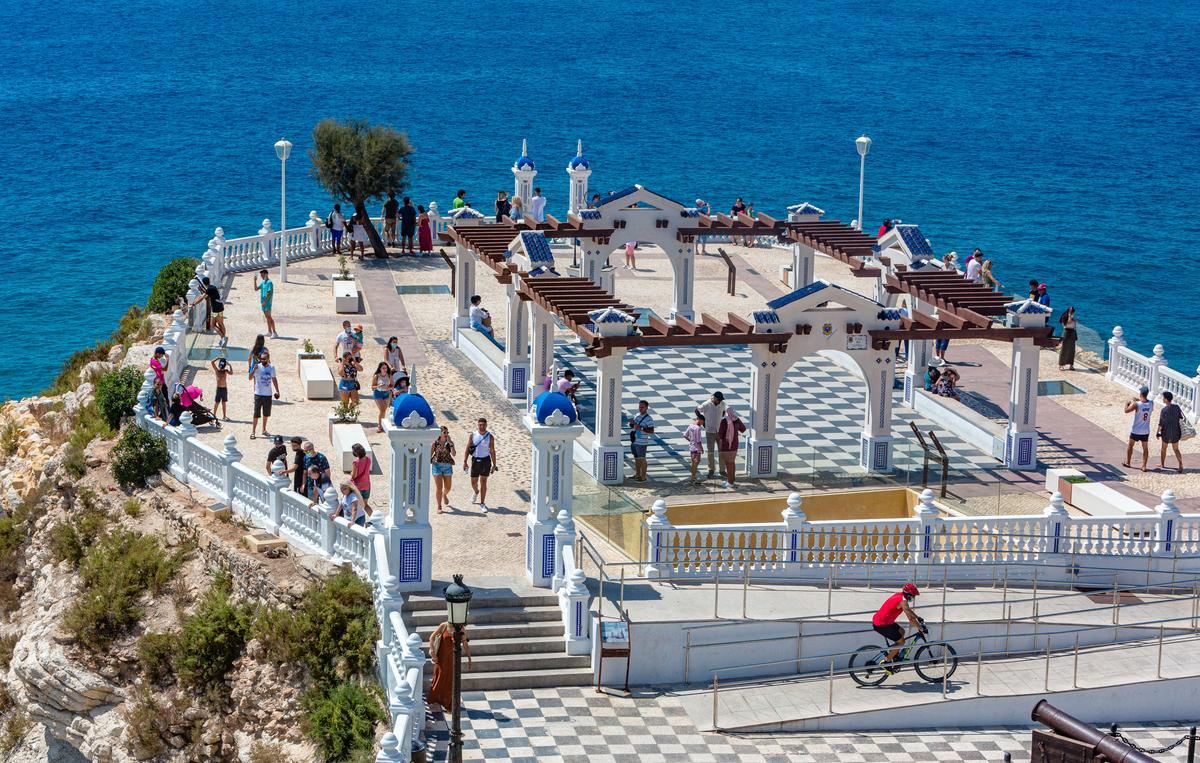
(798, 548)
(1134, 370)
(569, 583)
(267, 502)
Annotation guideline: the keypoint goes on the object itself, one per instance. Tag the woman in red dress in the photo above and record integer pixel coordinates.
(424, 231)
(441, 652)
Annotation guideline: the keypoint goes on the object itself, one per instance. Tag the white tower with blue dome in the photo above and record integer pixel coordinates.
(553, 426)
(524, 171)
(578, 169)
(411, 430)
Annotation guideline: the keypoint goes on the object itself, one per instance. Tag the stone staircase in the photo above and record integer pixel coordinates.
(515, 639)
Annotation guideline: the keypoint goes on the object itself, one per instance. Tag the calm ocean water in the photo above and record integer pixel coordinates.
(1062, 140)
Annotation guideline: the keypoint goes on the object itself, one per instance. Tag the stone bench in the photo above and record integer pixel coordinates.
(317, 379)
(343, 437)
(1100, 500)
(345, 296)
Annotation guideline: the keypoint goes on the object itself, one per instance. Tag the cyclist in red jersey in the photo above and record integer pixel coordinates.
(884, 621)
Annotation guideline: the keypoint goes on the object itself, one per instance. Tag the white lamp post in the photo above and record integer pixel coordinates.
(863, 144)
(283, 149)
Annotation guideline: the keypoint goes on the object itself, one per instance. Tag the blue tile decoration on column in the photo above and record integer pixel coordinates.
(1170, 528)
(578, 619)
(1025, 452)
(764, 459)
(518, 380)
(555, 463)
(881, 455)
(548, 555)
(412, 481)
(908, 388)
(529, 549)
(410, 560)
(611, 466)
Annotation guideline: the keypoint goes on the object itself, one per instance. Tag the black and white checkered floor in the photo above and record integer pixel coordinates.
(819, 418)
(577, 725)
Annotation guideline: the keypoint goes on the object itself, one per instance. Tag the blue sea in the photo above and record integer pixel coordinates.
(1062, 138)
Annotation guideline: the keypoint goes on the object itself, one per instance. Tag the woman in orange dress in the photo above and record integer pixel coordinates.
(441, 651)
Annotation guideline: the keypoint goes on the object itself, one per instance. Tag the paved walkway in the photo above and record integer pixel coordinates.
(577, 725)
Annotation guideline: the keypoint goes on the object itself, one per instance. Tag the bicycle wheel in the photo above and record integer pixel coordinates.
(933, 662)
(865, 668)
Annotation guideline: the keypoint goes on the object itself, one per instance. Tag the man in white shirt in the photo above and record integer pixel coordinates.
(1139, 429)
(975, 267)
(537, 206)
(337, 226)
(344, 343)
(265, 379)
(713, 410)
(481, 319)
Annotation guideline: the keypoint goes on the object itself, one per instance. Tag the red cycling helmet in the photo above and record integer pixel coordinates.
(910, 590)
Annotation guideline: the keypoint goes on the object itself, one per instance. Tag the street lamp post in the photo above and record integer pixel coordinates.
(458, 600)
(863, 144)
(283, 149)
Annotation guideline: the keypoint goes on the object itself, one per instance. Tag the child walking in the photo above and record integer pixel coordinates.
(221, 369)
(695, 436)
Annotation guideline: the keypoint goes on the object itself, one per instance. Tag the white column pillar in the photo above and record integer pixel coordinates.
(1056, 517)
(216, 245)
(578, 171)
(914, 374)
(411, 431)
(524, 172)
(553, 428)
(875, 454)
(1168, 521)
(592, 258)
(608, 447)
(541, 344)
(1115, 343)
(1158, 362)
(1020, 446)
(658, 537)
(266, 244)
(316, 226)
(761, 445)
(803, 266)
(929, 518)
(464, 289)
(683, 266)
(516, 346)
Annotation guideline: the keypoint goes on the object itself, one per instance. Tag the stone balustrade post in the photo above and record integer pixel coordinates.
(1158, 362)
(400, 703)
(315, 225)
(279, 482)
(1168, 520)
(185, 432)
(216, 245)
(229, 456)
(574, 599)
(413, 656)
(564, 535)
(1115, 343)
(266, 244)
(929, 517)
(327, 509)
(796, 522)
(1055, 523)
(389, 750)
(145, 399)
(658, 529)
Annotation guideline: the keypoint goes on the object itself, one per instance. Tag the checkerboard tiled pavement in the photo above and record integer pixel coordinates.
(819, 418)
(577, 725)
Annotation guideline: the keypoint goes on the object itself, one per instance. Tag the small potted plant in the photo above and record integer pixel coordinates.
(343, 273)
(345, 289)
(345, 412)
(307, 351)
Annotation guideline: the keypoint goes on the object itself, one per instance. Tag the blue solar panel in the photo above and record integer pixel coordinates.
(536, 247)
(917, 244)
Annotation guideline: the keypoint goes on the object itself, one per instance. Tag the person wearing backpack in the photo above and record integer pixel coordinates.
(481, 454)
(336, 224)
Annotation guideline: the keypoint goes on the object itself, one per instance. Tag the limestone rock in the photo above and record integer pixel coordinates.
(94, 370)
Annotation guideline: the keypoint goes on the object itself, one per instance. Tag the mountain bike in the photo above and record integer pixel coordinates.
(934, 662)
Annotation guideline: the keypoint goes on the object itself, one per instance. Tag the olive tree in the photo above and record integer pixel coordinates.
(357, 162)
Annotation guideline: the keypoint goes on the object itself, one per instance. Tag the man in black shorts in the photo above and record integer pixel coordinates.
(884, 621)
(480, 453)
(408, 226)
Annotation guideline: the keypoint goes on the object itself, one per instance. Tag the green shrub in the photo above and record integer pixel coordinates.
(116, 394)
(15, 729)
(151, 718)
(138, 456)
(332, 631)
(133, 327)
(342, 719)
(10, 438)
(155, 652)
(115, 572)
(171, 284)
(70, 540)
(6, 650)
(212, 639)
(132, 507)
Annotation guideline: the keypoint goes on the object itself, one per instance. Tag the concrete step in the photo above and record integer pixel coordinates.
(519, 679)
(488, 616)
(415, 603)
(531, 663)
(508, 646)
(514, 631)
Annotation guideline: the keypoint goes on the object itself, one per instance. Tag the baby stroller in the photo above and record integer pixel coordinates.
(188, 399)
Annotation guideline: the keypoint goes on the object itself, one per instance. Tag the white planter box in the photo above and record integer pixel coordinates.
(345, 295)
(1100, 500)
(316, 379)
(302, 355)
(344, 436)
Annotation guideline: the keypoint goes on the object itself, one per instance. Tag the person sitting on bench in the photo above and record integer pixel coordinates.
(481, 319)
